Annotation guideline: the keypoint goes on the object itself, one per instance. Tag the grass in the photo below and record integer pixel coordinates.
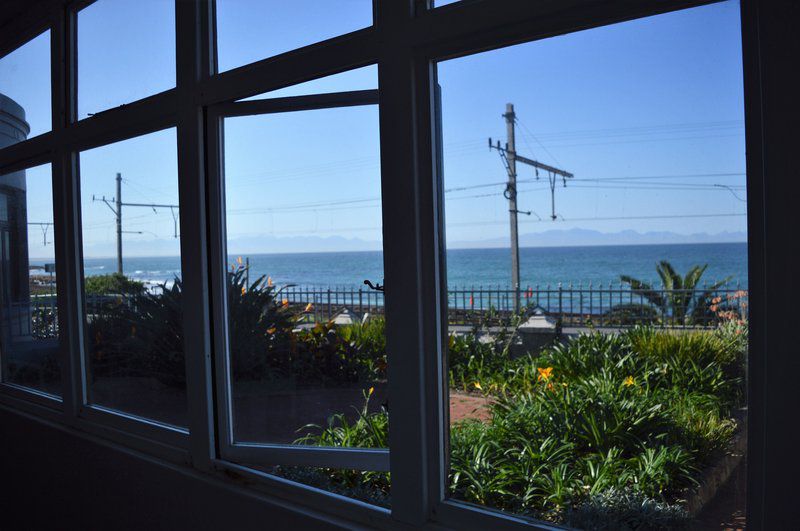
(606, 427)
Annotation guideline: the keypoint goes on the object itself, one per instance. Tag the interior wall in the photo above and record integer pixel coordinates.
(56, 480)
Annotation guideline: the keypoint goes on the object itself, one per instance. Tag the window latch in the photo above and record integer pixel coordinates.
(376, 287)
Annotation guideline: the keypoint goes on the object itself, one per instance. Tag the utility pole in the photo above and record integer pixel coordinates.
(119, 223)
(509, 156)
(117, 210)
(511, 194)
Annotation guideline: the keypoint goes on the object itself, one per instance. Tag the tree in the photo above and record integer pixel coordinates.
(679, 300)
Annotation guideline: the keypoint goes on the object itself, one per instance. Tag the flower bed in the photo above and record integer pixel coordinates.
(609, 428)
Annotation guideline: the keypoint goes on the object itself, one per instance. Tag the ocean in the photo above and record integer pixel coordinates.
(539, 266)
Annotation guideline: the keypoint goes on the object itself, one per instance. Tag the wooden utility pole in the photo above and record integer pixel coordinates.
(511, 194)
(117, 210)
(509, 156)
(119, 223)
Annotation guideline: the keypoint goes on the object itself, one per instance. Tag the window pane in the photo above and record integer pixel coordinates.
(126, 52)
(365, 78)
(307, 346)
(134, 330)
(251, 30)
(29, 324)
(25, 79)
(612, 394)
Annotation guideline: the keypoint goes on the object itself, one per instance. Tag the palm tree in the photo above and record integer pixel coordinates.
(679, 299)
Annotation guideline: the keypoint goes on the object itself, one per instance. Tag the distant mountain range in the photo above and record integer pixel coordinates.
(299, 244)
(586, 237)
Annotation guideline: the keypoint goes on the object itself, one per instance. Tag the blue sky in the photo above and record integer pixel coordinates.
(647, 114)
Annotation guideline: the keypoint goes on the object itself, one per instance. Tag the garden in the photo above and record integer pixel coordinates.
(605, 430)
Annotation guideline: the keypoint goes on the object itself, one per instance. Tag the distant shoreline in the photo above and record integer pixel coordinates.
(246, 253)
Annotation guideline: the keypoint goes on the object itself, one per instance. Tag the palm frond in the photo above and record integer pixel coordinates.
(645, 290)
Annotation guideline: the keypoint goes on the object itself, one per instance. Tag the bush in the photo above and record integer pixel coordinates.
(141, 334)
(112, 284)
(609, 428)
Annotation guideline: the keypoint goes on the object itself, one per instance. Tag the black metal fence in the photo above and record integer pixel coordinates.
(578, 306)
(590, 305)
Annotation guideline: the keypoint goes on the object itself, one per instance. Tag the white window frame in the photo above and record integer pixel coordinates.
(406, 41)
(231, 449)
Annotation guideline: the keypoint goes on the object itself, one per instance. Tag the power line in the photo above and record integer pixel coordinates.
(117, 210)
(528, 221)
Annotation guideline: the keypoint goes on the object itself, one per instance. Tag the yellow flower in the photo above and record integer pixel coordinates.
(309, 307)
(269, 281)
(239, 260)
(371, 390)
(545, 374)
(478, 386)
(629, 381)
(243, 290)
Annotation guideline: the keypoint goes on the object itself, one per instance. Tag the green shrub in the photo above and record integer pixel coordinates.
(611, 428)
(112, 284)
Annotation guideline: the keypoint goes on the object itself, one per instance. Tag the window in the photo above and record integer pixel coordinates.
(306, 355)
(25, 89)
(252, 275)
(126, 52)
(252, 30)
(29, 322)
(132, 278)
(597, 364)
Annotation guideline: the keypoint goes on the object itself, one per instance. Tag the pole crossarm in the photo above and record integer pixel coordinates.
(148, 205)
(505, 153)
(545, 167)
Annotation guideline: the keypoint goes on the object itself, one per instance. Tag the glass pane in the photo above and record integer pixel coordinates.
(306, 333)
(132, 277)
(29, 323)
(365, 78)
(25, 103)
(307, 345)
(126, 52)
(603, 389)
(251, 30)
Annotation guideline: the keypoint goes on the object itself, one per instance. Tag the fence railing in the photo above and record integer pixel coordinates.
(581, 306)
(578, 306)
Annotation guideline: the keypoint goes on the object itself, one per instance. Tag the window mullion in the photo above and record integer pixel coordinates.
(193, 46)
(66, 213)
(411, 271)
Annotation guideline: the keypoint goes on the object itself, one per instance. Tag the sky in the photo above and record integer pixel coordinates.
(647, 114)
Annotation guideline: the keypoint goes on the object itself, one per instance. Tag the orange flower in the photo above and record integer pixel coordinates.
(285, 302)
(239, 260)
(244, 290)
(309, 307)
(550, 386)
(545, 374)
(271, 331)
